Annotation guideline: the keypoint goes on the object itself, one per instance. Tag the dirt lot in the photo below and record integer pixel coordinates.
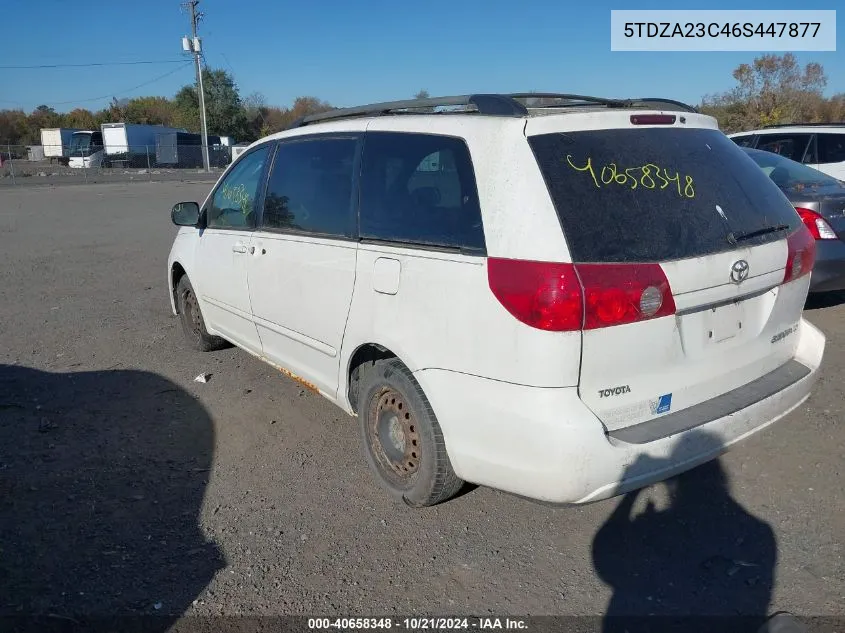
(127, 487)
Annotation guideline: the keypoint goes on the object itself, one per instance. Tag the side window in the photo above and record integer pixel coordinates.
(419, 189)
(746, 140)
(790, 146)
(233, 203)
(310, 186)
(831, 148)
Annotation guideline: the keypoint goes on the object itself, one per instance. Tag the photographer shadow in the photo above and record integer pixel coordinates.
(102, 480)
(699, 563)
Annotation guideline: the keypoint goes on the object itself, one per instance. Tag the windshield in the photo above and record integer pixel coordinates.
(657, 194)
(80, 142)
(789, 175)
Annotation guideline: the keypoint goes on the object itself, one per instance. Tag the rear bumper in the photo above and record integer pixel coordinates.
(543, 443)
(829, 270)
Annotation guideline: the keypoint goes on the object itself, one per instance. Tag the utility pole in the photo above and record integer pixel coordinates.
(195, 46)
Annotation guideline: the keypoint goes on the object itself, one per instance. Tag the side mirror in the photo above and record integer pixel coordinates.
(185, 214)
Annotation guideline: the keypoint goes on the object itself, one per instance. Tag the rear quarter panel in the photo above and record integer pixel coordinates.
(444, 315)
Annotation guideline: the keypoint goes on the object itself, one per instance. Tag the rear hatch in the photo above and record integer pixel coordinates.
(681, 198)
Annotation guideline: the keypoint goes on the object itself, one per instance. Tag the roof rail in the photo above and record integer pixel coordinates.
(488, 104)
(653, 101)
(777, 125)
(582, 100)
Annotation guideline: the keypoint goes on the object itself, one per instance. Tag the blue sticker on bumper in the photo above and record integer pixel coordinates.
(662, 404)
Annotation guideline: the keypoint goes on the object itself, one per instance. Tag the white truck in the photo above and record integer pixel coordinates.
(119, 144)
(56, 143)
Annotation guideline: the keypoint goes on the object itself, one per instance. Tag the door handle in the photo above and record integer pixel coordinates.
(239, 248)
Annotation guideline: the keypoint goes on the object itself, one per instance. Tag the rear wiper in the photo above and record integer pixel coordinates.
(733, 238)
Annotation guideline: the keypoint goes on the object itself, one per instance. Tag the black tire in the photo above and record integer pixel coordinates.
(402, 440)
(193, 324)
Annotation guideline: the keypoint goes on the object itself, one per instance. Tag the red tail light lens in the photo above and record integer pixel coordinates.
(624, 293)
(544, 295)
(566, 297)
(817, 225)
(800, 254)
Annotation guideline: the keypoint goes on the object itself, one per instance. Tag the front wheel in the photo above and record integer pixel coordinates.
(402, 439)
(193, 324)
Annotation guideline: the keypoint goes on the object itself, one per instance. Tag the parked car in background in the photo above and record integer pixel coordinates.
(820, 201)
(564, 302)
(820, 146)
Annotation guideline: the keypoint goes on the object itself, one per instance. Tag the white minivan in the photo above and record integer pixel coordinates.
(562, 297)
(818, 145)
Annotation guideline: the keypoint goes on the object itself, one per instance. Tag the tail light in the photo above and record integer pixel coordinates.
(800, 254)
(819, 228)
(543, 295)
(624, 293)
(567, 297)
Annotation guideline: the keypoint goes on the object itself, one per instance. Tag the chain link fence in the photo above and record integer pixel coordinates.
(46, 164)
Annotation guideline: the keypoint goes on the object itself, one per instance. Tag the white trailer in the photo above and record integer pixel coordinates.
(238, 149)
(56, 141)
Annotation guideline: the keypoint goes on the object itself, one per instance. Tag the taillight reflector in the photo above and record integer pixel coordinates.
(652, 119)
(567, 297)
(817, 225)
(800, 254)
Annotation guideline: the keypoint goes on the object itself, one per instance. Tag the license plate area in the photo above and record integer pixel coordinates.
(723, 323)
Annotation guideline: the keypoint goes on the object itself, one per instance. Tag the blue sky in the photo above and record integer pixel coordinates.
(349, 52)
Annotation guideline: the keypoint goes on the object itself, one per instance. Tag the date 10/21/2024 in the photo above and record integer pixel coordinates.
(418, 623)
(647, 176)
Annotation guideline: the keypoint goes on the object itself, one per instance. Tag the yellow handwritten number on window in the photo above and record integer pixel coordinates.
(588, 167)
(648, 184)
(611, 173)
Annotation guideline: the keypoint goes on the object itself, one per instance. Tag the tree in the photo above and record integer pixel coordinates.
(772, 89)
(150, 110)
(14, 127)
(255, 105)
(186, 109)
(42, 117)
(225, 114)
(81, 118)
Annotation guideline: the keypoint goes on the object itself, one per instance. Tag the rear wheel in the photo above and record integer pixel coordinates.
(193, 324)
(402, 438)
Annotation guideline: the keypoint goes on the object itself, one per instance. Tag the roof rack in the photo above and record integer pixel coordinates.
(487, 104)
(570, 100)
(777, 125)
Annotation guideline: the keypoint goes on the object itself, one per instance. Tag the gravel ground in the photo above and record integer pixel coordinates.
(126, 487)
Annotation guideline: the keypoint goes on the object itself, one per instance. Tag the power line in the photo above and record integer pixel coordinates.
(92, 64)
(116, 92)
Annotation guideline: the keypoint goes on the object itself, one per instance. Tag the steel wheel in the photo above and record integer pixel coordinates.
(394, 436)
(192, 312)
(401, 437)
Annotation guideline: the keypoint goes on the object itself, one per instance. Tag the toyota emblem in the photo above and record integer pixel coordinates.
(739, 271)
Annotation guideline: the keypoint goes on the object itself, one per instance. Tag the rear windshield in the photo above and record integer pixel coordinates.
(788, 175)
(657, 194)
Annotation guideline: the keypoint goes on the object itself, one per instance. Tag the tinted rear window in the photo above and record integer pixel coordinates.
(657, 194)
(420, 189)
